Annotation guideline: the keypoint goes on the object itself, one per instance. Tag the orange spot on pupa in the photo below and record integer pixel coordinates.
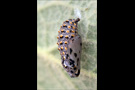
(60, 42)
(70, 22)
(67, 31)
(58, 31)
(62, 30)
(63, 53)
(75, 24)
(73, 35)
(73, 31)
(57, 37)
(73, 27)
(66, 42)
(62, 48)
(58, 48)
(66, 36)
(64, 24)
(64, 58)
(65, 48)
(61, 35)
(69, 26)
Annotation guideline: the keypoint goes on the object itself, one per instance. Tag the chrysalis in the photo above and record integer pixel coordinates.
(69, 45)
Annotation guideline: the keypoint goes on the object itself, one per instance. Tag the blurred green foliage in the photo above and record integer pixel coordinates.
(50, 16)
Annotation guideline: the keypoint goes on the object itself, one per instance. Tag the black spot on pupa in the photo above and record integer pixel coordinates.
(61, 43)
(71, 50)
(72, 27)
(66, 67)
(73, 65)
(79, 51)
(77, 61)
(67, 56)
(81, 44)
(62, 31)
(64, 26)
(75, 54)
(74, 68)
(72, 61)
(67, 21)
(71, 36)
(71, 71)
(78, 73)
(66, 37)
(61, 37)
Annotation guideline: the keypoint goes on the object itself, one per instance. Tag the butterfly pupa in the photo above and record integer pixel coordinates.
(70, 45)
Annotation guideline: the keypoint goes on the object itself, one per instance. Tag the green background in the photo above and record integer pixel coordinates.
(50, 16)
